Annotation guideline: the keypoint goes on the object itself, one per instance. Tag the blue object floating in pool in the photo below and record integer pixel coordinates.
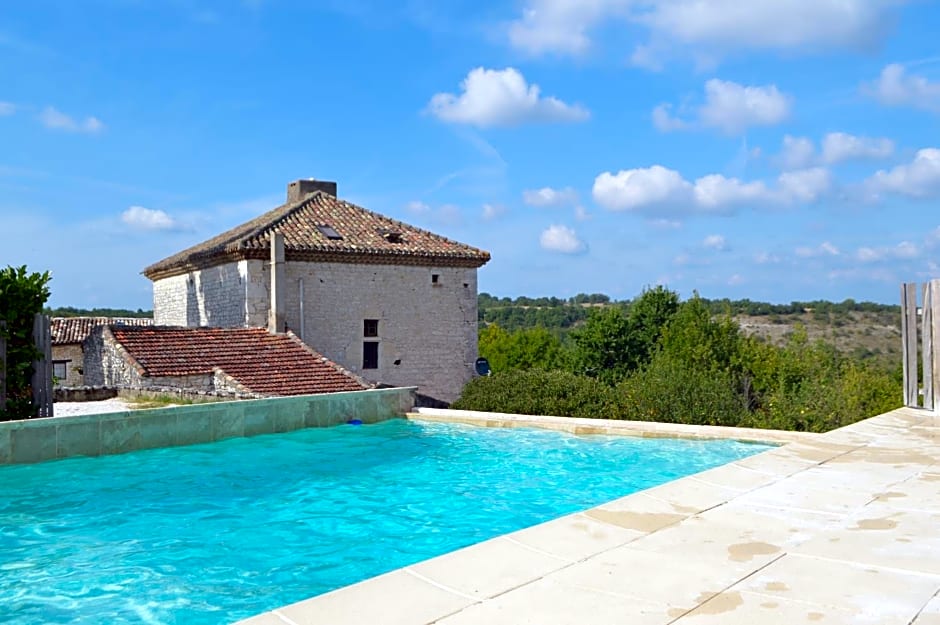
(355, 422)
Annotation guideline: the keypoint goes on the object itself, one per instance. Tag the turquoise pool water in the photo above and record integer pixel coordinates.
(215, 533)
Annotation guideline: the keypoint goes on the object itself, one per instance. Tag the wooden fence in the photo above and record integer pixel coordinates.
(921, 375)
(41, 382)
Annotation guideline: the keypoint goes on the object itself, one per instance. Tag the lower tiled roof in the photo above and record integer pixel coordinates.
(264, 363)
(69, 330)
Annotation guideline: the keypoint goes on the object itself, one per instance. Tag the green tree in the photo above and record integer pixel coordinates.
(22, 296)
(603, 345)
(534, 348)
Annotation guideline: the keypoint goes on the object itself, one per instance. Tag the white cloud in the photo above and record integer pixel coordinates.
(640, 189)
(704, 29)
(664, 121)
(559, 26)
(903, 250)
(918, 179)
(765, 258)
(731, 108)
(581, 214)
(797, 153)
(804, 185)
(141, 218)
(7, 108)
(417, 207)
(561, 239)
(823, 249)
(840, 146)
(492, 211)
(57, 120)
(836, 147)
(718, 193)
(715, 242)
(501, 98)
(895, 87)
(547, 196)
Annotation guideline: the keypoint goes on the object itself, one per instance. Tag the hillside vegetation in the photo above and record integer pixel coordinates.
(807, 366)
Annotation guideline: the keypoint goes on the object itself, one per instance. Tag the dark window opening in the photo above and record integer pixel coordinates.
(391, 236)
(60, 369)
(434, 278)
(397, 361)
(329, 232)
(370, 355)
(370, 328)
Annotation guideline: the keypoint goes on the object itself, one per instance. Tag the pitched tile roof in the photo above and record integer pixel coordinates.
(263, 363)
(367, 237)
(69, 330)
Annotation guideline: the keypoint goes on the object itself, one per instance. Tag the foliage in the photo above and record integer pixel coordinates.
(658, 359)
(71, 311)
(557, 393)
(535, 348)
(22, 295)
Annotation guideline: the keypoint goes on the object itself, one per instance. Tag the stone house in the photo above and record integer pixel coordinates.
(68, 335)
(390, 302)
(241, 362)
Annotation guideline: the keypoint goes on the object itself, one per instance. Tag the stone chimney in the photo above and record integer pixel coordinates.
(299, 189)
(276, 322)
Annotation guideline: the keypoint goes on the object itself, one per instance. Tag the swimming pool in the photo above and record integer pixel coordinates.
(218, 532)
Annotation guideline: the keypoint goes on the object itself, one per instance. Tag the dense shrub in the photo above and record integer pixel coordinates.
(538, 392)
(22, 296)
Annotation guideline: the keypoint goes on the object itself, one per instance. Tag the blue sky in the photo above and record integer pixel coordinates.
(777, 150)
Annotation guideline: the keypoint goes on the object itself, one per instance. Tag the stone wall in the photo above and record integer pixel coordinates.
(74, 367)
(427, 330)
(427, 326)
(215, 297)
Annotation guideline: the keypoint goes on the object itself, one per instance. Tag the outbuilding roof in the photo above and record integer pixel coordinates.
(72, 330)
(321, 227)
(261, 362)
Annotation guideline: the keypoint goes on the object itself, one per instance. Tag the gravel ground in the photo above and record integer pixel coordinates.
(70, 408)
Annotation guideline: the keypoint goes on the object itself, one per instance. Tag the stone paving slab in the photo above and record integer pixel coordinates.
(836, 528)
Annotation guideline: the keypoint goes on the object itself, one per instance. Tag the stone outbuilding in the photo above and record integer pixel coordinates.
(68, 335)
(243, 362)
(390, 302)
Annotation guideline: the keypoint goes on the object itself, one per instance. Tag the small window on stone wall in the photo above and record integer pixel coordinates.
(370, 328)
(60, 369)
(435, 279)
(370, 355)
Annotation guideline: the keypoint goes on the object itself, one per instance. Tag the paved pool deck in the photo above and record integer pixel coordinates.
(842, 527)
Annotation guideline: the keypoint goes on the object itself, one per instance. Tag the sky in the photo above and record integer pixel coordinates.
(777, 150)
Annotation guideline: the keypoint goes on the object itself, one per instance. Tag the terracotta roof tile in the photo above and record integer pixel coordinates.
(69, 330)
(264, 363)
(366, 237)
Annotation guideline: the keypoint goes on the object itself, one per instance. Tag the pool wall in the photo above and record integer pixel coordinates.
(37, 440)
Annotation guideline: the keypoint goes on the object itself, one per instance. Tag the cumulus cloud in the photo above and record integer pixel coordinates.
(547, 196)
(140, 218)
(731, 108)
(715, 242)
(7, 108)
(823, 249)
(840, 146)
(492, 211)
(492, 97)
(561, 239)
(660, 191)
(903, 250)
(895, 87)
(704, 29)
(57, 120)
(836, 147)
(918, 179)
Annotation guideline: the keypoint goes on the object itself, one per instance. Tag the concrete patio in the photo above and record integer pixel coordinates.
(842, 527)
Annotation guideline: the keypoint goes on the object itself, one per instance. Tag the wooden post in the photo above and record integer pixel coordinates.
(42, 369)
(934, 331)
(909, 342)
(927, 347)
(3, 367)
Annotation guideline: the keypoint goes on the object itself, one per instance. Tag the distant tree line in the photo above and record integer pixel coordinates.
(657, 358)
(70, 311)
